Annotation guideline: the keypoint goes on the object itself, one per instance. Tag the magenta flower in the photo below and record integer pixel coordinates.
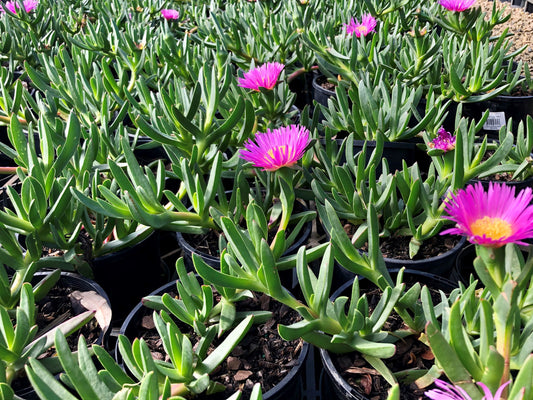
(281, 147)
(169, 13)
(493, 218)
(367, 25)
(445, 141)
(447, 391)
(457, 5)
(265, 76)
(29, 5)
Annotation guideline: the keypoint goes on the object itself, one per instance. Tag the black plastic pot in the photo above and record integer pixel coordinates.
(501, 108)
(83, 284)
(76, 282)
(302, 85)
(518, 185)
(4, 138)
(464, 265)
(320, 93)
(287, 276)
(6, 181)
(333, 384)
(440, 266)
(147, 151)
(394, 152)
(127, 275)
(289, 386)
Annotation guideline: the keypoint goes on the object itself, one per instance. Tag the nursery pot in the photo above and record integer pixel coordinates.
(501, 108)
(518, 185)
(83, 284)
(130, 273)
(334, 386)
(100, 303)
(440, 265)
(147, 151)
(464, 265)
(302, 85)
(6, 181)
(321, 94)
(394, 152)
(287, 276)
(289, 386)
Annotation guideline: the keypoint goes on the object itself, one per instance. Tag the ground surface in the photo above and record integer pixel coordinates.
(520, 24)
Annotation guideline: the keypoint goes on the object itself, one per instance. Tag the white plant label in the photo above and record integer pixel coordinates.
(495, 121)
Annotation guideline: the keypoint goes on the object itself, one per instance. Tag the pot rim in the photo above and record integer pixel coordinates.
(325, 356)
(304, 233)
(267, 395)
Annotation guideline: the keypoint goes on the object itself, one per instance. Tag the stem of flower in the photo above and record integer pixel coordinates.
(194, 218)
(11, 170)
(504, 348)
(6, 119)
(178, 389)
(133, 79)
(301, 71)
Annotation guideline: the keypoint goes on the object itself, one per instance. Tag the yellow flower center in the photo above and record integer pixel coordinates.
(282, 149)
(493, 228)
(362, 29)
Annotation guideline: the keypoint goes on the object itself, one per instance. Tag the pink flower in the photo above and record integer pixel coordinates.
(265, 76)
(457, 5)
(169, 13)
(445, 141)
(29, 5)
(281, 147)
(367, 25)
(493, 218)
(447, 391)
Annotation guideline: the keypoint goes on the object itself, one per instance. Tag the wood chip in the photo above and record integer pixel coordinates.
(366, 384)
(266, 352)
(248, 385)
(148, 322)
(265, 302)
(242, 375)
(237, 351)
(427, 355)
(358, 370)
(234, 363)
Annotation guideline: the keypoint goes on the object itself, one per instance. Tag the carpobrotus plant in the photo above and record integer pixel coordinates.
(486, 343)
(210, 87)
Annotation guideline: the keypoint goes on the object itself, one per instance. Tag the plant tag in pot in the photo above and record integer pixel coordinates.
(495, 121)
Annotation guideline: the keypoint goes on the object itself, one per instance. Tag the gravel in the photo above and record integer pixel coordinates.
(520, 25)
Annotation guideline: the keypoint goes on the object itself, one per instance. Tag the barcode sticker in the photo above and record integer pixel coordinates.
(495, 121)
